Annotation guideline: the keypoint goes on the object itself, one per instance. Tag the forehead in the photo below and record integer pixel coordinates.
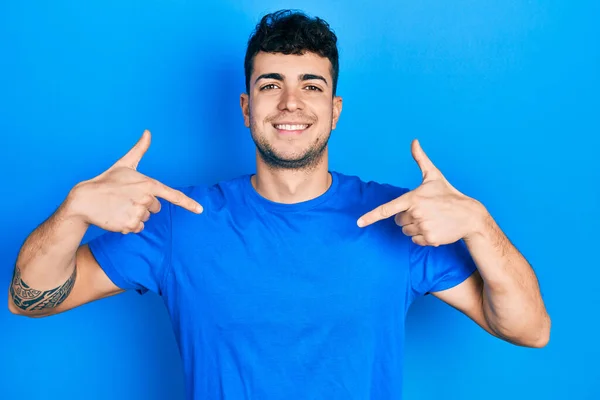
(291, 65)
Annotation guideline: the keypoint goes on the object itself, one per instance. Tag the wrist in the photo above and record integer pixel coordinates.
(73, 206)
(479, 221)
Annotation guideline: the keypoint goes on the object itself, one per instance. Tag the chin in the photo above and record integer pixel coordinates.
(300, 152)
(289, 152)
(292, 161)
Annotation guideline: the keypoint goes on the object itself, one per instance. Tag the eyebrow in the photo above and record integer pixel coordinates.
(310, 77)
(301, 77)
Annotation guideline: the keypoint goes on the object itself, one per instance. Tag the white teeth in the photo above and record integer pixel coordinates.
(291, 127)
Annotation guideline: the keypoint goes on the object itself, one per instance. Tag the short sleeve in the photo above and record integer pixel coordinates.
(137, 261)
(433, 269)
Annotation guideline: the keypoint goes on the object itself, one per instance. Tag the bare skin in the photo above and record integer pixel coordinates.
(54, 272)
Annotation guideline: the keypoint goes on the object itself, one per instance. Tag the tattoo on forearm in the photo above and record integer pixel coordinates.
(29, 299)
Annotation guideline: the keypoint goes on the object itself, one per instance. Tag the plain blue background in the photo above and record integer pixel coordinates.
(502, 94)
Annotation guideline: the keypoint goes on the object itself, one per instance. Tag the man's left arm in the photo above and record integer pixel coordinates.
(503, 295)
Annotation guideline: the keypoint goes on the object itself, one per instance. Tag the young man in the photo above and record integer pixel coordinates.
(293, 282)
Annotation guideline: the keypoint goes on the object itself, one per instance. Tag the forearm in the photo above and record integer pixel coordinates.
(512, 301)
(45, 268)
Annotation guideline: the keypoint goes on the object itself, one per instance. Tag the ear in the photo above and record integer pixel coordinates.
(337, 110)
(245, 105)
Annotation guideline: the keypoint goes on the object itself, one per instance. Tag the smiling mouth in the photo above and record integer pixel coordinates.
(291, 128)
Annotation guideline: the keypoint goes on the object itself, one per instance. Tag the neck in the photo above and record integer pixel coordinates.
(291, 186)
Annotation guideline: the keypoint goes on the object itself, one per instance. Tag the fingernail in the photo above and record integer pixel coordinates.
(360, 223)
(199, 208)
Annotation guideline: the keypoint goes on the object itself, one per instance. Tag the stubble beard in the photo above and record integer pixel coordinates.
(305, 161)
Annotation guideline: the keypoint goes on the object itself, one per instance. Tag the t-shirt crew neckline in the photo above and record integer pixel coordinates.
(269, 205)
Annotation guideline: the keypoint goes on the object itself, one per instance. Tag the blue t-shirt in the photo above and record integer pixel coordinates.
(284, 301)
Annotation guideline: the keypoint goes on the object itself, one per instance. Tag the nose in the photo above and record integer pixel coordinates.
(290, 101)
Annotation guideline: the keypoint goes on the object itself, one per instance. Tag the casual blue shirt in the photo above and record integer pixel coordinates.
(284, 301)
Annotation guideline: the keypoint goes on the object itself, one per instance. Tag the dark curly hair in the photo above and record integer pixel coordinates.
(292, 32)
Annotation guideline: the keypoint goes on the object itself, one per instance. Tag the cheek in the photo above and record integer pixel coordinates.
(258, 115)
(324, 109)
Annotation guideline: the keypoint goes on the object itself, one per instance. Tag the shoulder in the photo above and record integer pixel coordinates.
(368, 189)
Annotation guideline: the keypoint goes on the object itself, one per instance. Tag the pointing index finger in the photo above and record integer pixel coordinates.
(386, 210)
(176, 197)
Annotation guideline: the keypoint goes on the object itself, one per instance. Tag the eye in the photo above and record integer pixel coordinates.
(268, 86)
(313, 88)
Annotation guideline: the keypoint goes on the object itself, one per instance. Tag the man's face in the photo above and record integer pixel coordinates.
(290, 108)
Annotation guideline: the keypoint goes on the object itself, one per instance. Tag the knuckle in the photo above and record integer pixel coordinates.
(146, 199)
(416, 213)
(132, 224)
(178, 197)
(384, 210)
(430, 238)
(151, 184)
(422, 241)
(140, 212)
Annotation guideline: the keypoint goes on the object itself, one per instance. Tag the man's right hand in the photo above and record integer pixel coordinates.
(121, 199)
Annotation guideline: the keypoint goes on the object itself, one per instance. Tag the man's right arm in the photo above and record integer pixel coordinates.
(54, 272)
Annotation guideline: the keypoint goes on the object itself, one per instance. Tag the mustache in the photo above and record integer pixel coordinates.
(310, 119)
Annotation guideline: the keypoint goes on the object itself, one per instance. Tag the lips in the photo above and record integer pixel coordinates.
(291, 127)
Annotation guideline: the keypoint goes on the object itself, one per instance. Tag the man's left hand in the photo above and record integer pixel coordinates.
(434, 213)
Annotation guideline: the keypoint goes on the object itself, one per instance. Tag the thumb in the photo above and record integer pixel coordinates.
(132, 158)
(428, 169)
